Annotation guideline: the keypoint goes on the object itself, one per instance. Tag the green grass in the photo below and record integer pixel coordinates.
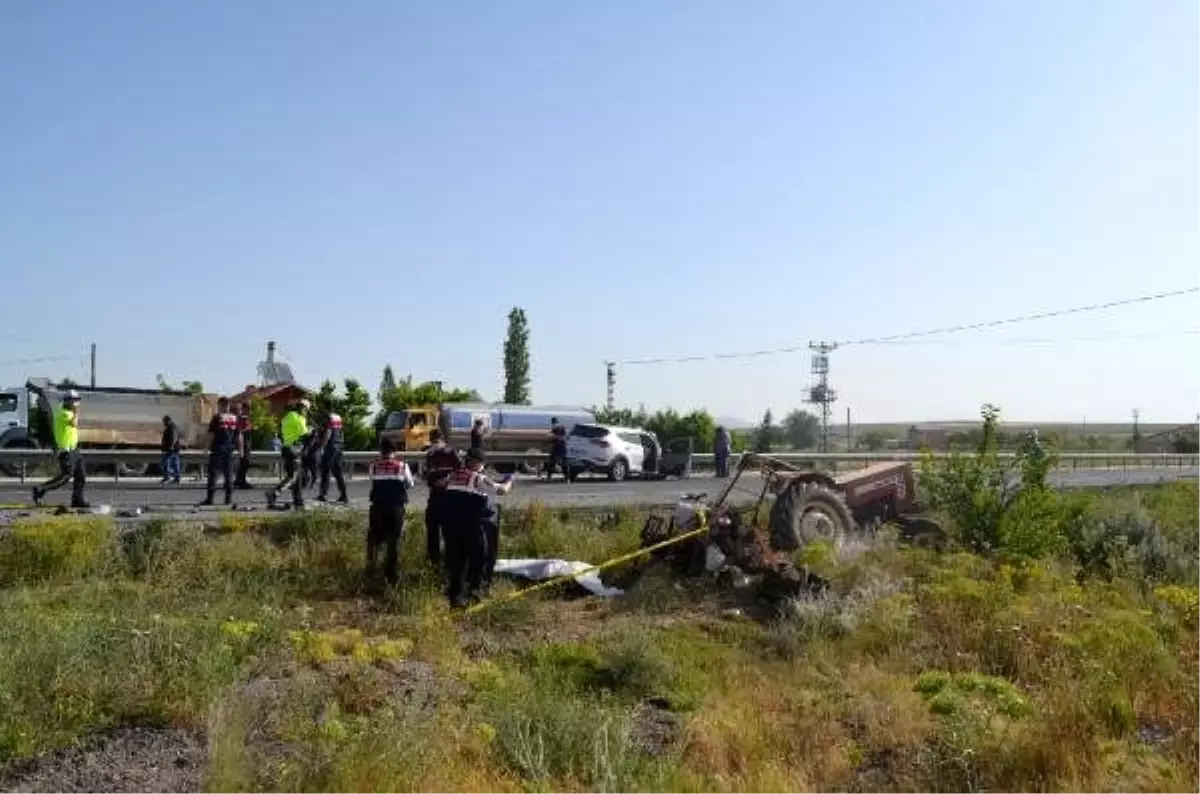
(918, 670)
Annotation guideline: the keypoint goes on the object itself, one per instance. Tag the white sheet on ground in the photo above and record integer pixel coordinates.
(539, 570)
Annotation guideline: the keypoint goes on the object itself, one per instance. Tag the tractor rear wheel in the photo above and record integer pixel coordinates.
(807, 512)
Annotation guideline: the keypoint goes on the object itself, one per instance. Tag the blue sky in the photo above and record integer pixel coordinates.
(375, 182)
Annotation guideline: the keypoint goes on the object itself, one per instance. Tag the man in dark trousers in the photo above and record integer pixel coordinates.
(440, 460)
(558, 450)
(244, 426)
(310, 456)
(390, 481)
(222, 435)
(65, 424)
(170, 451)
(292, 432)
(478, 433)
(468, 504)
(333, 442)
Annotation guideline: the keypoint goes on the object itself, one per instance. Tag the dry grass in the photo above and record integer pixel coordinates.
(918, 671)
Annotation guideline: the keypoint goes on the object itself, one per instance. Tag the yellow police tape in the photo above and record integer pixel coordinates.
(602, 566)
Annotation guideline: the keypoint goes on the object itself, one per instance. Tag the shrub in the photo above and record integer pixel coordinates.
(55, 549)
(996, 505)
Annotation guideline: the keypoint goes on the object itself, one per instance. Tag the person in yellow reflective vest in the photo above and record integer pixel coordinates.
(66, 443)
(292, 431)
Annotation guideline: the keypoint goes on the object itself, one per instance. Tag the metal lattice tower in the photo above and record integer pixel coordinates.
(820, 394)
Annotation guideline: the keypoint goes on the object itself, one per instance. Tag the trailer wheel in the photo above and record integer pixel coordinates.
(807, 512)
(14, 469)
(135, 469)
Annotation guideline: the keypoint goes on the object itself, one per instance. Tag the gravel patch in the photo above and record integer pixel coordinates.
(656, 729)
(128, 759)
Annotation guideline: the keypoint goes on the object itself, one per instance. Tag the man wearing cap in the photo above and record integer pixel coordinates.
(467, 507)
(292, 430)
(66, 444)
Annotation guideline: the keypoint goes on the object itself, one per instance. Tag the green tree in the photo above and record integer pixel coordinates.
(188, 387)
(516, 359)
(265, 425)
(407, 394)
(353, 404)
(669, 425)
(767, 433)
(801, 429)
(386, 383)
(622, 417)
(997, 504)
(872, 440)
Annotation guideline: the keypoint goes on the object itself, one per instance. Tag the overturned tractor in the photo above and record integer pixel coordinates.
(808, 506)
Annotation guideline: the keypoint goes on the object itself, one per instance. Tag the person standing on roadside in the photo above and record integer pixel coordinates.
(170, 452)
(558, 450)
(390, 480)
(441, 460)
(244, 426)
(65, 424)
(722, 448)
(333, 436)
(293, 431)
(467, 509)
(478, 433)
(222, 438)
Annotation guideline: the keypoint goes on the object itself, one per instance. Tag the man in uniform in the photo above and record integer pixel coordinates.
(333, 439)
(468, 503)
(440, 460)
(293, 430)
(222, 435)
(66, 444)
(390, 481)
(244, 426)
(310, 453)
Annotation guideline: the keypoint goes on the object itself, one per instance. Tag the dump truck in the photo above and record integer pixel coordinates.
(109, 418)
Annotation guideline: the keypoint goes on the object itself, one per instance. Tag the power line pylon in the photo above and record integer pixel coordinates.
(820, 394)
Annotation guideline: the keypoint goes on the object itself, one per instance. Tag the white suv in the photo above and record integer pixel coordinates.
(615, 451)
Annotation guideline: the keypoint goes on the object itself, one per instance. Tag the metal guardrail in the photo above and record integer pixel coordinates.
(271, 458)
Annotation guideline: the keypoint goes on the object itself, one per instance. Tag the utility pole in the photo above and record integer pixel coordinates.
(93, 365)
(610, 377)
(849, 440)
(1137, 436)
(821, 394)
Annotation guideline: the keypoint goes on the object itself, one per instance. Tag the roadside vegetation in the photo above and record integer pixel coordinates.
(1051, 646)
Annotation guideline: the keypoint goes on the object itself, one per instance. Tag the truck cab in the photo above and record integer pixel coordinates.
(409, 428)
(15, 430)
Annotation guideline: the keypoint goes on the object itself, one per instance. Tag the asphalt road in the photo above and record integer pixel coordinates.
(583, 493)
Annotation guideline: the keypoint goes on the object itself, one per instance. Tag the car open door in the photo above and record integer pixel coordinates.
(677, 458)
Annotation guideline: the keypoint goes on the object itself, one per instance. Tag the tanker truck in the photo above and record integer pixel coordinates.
(509, 428)
(109, 418)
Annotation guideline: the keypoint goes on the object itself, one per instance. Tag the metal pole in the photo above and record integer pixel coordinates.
(93, 365)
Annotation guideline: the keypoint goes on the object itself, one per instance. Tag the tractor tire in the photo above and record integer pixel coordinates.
(807, 512)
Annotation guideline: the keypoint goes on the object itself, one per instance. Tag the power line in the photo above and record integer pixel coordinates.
(893, 338)
(1024, 318)
(39, 360)
(1046, 340)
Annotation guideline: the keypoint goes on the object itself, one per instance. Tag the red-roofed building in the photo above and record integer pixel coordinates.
(277, 395)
